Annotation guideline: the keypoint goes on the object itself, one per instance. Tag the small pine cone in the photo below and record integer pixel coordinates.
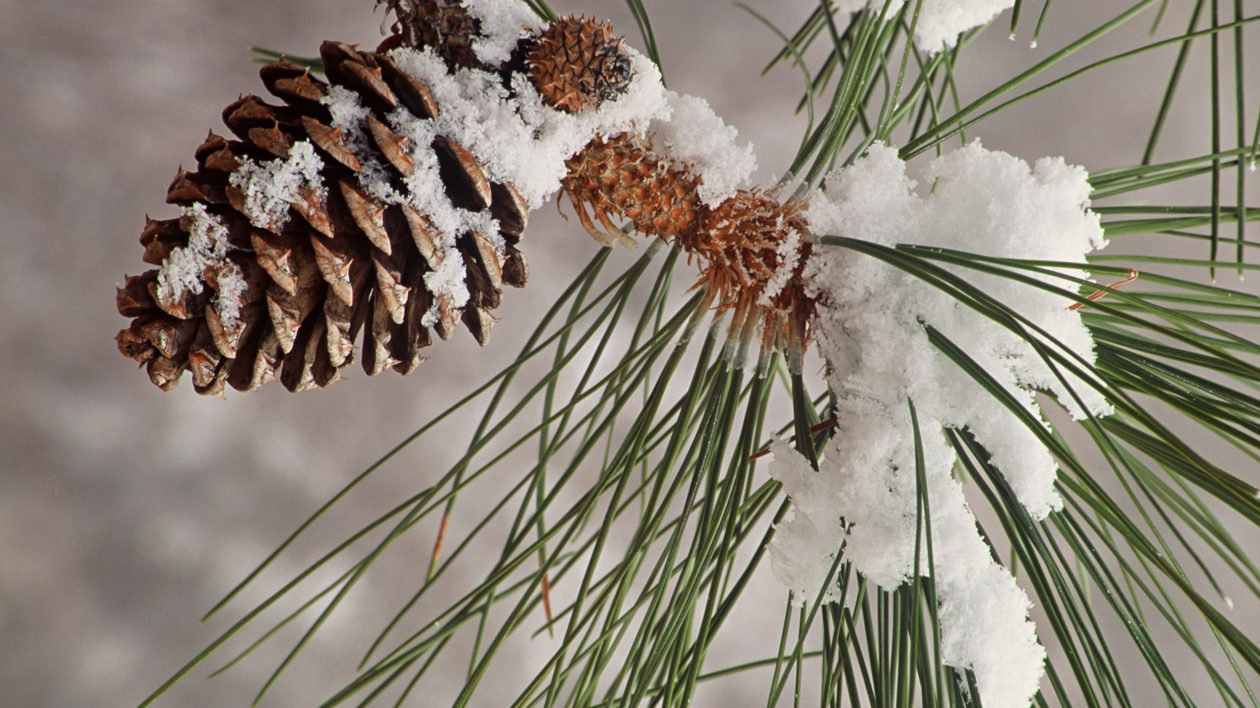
(299, 235)
(619, 177)
(444, 25)
(578, 63)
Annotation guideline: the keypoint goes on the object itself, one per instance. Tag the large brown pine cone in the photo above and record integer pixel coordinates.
(286, 250)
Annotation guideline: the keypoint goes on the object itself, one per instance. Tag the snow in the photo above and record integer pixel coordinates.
(696, 139)
(271, 185)
(181, 272)
(503, 24)
(518, 138)
(870, 329)
(983, 613)
(870, 318)
(940, 21)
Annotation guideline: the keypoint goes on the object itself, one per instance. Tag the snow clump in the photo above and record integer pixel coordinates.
(940, 21)
(871, 329)
(502, 25)
(271, 185)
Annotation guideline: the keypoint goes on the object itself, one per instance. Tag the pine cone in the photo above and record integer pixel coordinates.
(752, 251)
(337, 212)
(578, 62)
(749, 246)
(444, 25)
(299, 235)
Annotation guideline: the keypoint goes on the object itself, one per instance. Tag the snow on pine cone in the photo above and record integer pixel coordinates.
(344, 210)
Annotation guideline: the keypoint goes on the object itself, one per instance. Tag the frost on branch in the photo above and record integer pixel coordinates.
(870, 329)
(940, 21)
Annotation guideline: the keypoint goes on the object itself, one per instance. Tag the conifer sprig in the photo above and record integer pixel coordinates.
(624, 479)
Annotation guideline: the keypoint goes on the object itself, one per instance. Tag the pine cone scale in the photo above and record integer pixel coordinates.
(276, 258)
(422, 236)
(509, 208)
(392, 146)
(336, 268)
(133, 298)
(413, 95)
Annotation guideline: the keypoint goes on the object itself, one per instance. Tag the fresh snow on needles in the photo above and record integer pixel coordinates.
(871, 330)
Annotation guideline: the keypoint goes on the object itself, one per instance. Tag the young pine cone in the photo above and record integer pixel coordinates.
(749, 246)
(298, 235)
(577, 63)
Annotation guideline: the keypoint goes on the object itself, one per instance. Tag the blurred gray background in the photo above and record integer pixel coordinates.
(125, 512)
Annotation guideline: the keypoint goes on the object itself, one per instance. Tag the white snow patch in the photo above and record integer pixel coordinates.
(447, 280)
(870, 319)
(232, 285)
(503, 24)
(695, 137)
(271, 185)
(940, 21)
(983, 612)
(182, 271)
